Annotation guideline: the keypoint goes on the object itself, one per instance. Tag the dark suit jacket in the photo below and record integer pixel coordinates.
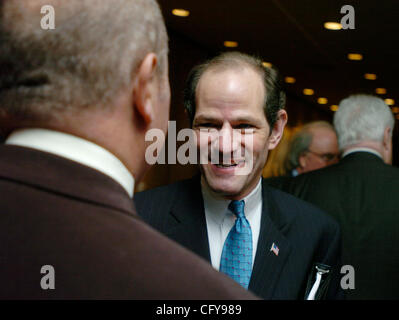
(303, 234)
(60, 213)
(278, 182)
(361, 193)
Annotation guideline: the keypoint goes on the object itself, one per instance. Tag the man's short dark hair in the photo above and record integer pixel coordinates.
(274, 94)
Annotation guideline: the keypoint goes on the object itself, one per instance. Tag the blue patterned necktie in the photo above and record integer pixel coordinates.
(236, 260)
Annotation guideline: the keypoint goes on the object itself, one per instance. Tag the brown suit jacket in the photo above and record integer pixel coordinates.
(57, 212)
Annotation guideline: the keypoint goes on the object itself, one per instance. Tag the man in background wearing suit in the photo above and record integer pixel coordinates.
(266, 240)
(359, 192)
(76, 102)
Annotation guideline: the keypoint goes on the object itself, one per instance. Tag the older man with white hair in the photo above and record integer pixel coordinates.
(365, 123)
(359, 192)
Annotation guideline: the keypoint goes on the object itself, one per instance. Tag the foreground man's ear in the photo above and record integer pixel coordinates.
(143, 90)
(278, 129)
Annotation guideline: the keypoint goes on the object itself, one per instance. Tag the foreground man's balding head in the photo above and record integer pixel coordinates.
(92, 70)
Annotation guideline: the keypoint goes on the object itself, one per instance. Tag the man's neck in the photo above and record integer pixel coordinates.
(363, 147)
(215, 195)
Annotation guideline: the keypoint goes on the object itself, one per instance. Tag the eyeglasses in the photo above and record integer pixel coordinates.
(327, 157)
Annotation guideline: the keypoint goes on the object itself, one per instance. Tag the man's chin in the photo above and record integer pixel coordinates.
(225, 189)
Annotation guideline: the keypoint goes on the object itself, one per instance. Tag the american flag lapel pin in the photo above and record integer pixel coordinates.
(275, 249)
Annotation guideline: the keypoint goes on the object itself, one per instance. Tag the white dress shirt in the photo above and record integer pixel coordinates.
(362, 149)
(75, 149)
(220, 220)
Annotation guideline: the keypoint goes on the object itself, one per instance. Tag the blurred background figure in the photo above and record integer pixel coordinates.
(314, 147)
(311, 147)
(358, 193)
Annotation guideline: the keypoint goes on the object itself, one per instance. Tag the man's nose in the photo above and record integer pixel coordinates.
(228, 139)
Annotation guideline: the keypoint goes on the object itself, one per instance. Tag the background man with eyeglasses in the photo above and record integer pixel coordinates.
(314, 147)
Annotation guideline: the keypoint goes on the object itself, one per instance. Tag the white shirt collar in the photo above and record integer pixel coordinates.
(294, 173)
(75, 149)
(218, 207)
(361, 149)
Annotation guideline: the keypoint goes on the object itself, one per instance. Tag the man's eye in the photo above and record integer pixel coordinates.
(330, 156)
(244, 126)
(208, 125)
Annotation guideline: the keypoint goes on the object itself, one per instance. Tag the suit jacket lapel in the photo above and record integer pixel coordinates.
(268, 264)
(189, 226)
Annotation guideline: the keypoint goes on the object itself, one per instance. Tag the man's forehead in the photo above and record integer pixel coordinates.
(234, 69)
(229, 94)
(230, 79)
(324, 138)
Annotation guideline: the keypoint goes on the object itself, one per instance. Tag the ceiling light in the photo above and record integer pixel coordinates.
(308, 92)
(389, 102)
(181, 12)
(381, 91)
(290, 79)
(333, 25)
(231, 44)
(267, 64)
(322, 101)
(355, 56)
(334, 107)
(395, 109)
(370, 76)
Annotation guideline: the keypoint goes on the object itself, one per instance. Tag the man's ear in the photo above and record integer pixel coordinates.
(387, 137)
(302, 159)
(278, 129)
(387, 145)
(143, 90)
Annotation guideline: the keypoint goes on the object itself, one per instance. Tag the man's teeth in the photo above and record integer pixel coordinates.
(226, 165)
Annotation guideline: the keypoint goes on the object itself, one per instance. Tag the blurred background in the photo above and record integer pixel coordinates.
(321, 63)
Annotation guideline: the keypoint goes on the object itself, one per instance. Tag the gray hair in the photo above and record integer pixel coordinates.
(91, 55)
(362, 118)
(300, 143)
(274, 99)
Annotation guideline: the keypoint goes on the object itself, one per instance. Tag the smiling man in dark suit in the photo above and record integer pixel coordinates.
(266, 240)
(360, 192)
(76, 103)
